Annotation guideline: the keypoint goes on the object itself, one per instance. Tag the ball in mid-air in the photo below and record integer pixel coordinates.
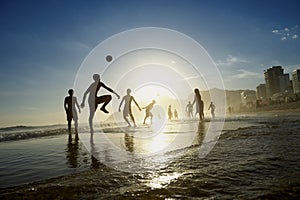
(108, 58)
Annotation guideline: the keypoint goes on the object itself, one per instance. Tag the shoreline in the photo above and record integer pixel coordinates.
(271, 109)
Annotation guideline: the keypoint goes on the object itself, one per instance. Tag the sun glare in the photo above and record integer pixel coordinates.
(163, 181)
(149, 92)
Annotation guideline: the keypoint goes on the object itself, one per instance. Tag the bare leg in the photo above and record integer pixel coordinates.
(125, 118)
(201, 115)
(70, 138)
(92, 113)
(151, 116)
(76, 126)
(69, 125)
(107, 100)
(103, 99)
(76, 137)
(132, 118)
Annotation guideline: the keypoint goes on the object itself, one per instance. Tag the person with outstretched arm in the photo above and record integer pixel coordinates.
(95, 100)
(148, 111)
(127, 107)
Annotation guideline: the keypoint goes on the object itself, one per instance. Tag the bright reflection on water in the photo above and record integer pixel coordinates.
(141, 148)
(162, 181)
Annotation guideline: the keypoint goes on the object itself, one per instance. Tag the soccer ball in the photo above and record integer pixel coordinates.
(108, 58)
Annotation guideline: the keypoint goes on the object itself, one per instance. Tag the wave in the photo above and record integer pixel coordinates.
(21, 132)
(23, 127)
(15, 128)
(13, 136)
(234, 126)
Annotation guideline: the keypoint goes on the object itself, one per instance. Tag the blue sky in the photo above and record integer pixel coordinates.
(42, 43)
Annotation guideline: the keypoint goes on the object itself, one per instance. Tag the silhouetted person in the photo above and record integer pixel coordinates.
(170, 114)
(127, 107)
(199, 104)
(212, 109)
(94, 100)
(189, 110)
(148, 111)
(175, 114)
(229, 110)
(70, 104)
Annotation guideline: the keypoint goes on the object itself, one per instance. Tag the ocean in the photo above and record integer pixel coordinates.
(256, 156)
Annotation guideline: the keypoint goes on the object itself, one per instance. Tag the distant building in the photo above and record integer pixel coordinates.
(296, 80)
(276, 81)
(261, 92)
(284, 83)
(291, 86)
(248, 98)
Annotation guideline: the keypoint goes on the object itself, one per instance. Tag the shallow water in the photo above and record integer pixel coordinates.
(256, 157)
(35, 159)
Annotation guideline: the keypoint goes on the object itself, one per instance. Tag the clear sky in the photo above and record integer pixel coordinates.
(43, 43)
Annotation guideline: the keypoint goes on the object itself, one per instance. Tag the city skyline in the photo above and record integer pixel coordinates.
(43, 44)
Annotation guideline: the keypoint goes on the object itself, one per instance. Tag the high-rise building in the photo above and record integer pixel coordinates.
(276, 81)
(284, 83)
(261, 92)
(296, 80)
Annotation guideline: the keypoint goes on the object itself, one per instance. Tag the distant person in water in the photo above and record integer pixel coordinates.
(199, 104)
(230, 110)
(127, 107)
(94, 100)
(148, 111)
(189, 110)
(170, 114)
(175, 114)
(70, 104)
(212, 109)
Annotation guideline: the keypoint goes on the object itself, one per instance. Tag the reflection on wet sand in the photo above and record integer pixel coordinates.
(95, 163)
(73, 156)
(201, 132)
(138, 148)
(125, 150)
(72, 151)
(129, 142)
(162, 178)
